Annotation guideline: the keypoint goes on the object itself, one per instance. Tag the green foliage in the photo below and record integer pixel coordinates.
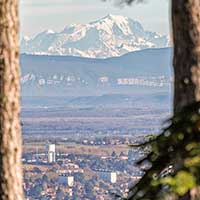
(178, 146)
(180, 183)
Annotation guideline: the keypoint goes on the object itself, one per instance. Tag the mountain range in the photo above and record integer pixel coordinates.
(136, 72)
(107, 37)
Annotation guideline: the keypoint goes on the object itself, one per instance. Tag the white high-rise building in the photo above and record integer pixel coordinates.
(113, 177)
(70, 181)
(66, 179)
(108, 176)
(51, 153)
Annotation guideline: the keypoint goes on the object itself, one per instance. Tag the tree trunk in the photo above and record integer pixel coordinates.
(10, 131)
(187, 196)
(186, 37)
(186, 62)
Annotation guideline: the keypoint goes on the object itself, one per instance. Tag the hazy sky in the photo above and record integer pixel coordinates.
(39, 15)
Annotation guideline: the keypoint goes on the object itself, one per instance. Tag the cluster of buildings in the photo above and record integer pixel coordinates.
(50, 173)
(70, 79)
(64, 175)
(152, 82)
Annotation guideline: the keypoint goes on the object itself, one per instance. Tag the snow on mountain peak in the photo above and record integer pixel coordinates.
(49, 31)
(112, 35)
(26, 38)
(118, 18)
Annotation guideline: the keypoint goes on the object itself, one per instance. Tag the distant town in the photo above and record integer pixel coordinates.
(73, 80)
(98, 168)
(84, 153)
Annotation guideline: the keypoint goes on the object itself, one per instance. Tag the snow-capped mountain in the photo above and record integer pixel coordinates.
(108, 37)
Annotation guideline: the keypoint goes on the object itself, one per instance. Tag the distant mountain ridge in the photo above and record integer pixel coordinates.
(131, 73)
(107, 37)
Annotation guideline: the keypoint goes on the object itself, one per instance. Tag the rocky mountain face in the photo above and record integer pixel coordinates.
(108, 37)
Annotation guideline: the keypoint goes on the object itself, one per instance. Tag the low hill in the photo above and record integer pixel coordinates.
(140, 71)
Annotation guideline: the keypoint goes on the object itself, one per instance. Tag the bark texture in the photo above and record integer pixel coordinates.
(186, 37)
(10, 131)
(186, 62)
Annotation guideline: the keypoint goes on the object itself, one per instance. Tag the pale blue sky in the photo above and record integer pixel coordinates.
(39, 15)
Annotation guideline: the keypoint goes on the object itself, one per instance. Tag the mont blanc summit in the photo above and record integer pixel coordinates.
(110, 36)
